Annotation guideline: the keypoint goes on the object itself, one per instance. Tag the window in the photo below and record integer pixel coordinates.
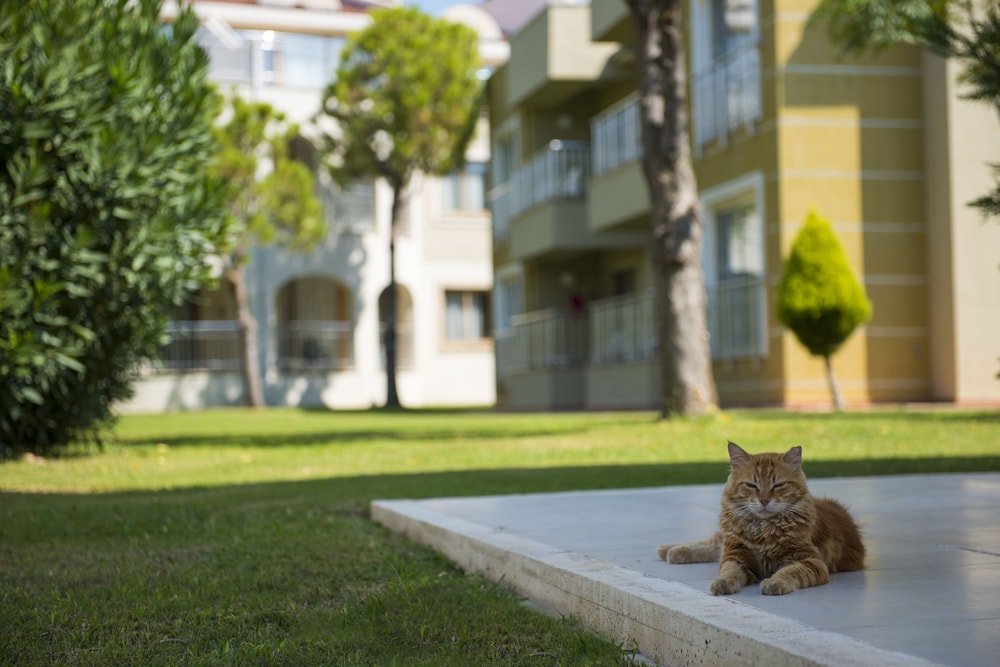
(734, 263)
(466, 315)
(725, 66)
(350, 207)
(302, 61)
(740, 247)
(465, 190)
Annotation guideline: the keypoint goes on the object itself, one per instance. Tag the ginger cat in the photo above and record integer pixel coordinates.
(772, 530)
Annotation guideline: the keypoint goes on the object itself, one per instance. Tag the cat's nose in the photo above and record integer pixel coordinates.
(764, 502)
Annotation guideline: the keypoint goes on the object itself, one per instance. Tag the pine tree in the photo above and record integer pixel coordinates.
(819, 297)
(405, 98)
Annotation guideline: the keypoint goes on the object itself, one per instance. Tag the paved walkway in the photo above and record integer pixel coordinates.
(930, 592)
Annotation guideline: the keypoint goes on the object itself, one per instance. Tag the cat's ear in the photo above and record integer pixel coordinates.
(793, 457)
(737, 456)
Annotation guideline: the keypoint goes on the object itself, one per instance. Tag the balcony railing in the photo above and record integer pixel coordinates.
(737, 318)
(558, 172)
(315, 345)
(622, 329)
(727, 94)
(542, 339)
(195, 345)
(616, 135)
(500, 200)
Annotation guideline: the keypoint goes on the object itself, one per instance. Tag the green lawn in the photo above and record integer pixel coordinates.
(236, 537)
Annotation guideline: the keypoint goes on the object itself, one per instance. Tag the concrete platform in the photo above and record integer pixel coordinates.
(930, 593)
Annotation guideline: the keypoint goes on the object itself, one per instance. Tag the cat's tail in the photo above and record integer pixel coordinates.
(696, 552)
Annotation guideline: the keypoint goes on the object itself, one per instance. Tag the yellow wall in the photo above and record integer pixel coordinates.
(850, 145)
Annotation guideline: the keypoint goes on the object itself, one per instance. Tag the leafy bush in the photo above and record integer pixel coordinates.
(819, 298)
(106, 218)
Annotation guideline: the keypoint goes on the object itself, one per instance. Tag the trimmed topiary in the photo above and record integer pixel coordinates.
(819, 298)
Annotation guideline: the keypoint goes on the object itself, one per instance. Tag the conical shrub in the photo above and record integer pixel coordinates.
(819, 298)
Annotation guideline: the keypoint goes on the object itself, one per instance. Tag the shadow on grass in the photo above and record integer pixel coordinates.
(943, 414)
(361, 426)
(359, 491)
(437, 425)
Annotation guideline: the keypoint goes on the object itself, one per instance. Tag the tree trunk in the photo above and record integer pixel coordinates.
(248, 339)
(391, 395)
(831, 380)
(687, 385)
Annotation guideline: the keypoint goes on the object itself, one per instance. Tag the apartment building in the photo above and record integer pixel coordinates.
(321, 315)
(882, 145)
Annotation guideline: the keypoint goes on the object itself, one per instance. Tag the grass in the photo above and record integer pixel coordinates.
(236, 537)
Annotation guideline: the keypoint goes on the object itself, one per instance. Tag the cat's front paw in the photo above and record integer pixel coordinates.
(776, 586)
(663, 550)
(680, 554)
(724, 586)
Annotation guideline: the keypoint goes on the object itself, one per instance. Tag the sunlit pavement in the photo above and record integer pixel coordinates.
(930, 592)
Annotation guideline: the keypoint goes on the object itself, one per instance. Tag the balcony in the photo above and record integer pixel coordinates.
(553, 57)
(559, 172)
(726, 95)
(622, 329)
(737, 319)
(611, 21)
(542, 339)
(617, 135)
(618, 194)
(500, 199)
(201, 345)
(315, 345)
(546, 204)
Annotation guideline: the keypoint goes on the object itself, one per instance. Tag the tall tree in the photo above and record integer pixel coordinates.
(819, 298)
(966, 30)
(405, 99)
(279, 207)
(107, 216)
(675, 247)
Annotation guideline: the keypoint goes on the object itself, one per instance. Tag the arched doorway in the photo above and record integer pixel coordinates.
(204, 333)
(315, 329)
(404, 325)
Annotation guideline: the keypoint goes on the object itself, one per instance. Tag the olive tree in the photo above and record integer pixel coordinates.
(688, 387)
(107, 215)
(405, 99)
(819, 298)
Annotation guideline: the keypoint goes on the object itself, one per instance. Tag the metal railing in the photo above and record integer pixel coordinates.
(542, 339)
(737, 318)
(616, 135)
(500, 200)
(315, 345)
(727, 94)
(404, 345)
(622, 329)
(212, 345)
(560, 171)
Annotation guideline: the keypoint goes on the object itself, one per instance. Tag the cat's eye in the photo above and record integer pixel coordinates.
(778, 485)
(751, 486)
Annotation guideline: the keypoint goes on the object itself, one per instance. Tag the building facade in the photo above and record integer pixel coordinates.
(781, 123)
(321, 314)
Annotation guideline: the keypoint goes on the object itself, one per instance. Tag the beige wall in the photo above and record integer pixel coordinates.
(963, 251)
